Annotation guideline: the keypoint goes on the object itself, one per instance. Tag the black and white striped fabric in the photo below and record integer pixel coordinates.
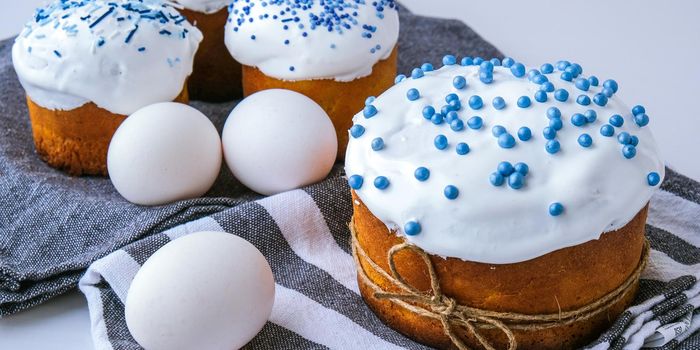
(304, 236)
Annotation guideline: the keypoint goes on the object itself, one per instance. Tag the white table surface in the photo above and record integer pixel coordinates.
(651, 48)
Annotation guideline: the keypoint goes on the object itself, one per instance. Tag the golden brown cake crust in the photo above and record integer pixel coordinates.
(565, 280)
(216, 76)
(76, 141)
(341, 100)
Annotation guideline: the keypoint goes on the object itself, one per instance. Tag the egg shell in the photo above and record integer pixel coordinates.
(206, 290)
(164, 153)
(277, 140)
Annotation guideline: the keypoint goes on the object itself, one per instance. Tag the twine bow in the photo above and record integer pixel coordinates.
(451, 315)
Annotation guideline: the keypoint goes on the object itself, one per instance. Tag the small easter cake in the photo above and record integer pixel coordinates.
(216, 76)
(334, 52)
(85, 65)
(500, 206)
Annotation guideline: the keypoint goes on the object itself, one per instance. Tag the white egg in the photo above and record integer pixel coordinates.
(206, 290)
(164, 153)
(277, 140)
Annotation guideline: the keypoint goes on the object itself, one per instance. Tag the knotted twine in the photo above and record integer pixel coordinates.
(438, 306)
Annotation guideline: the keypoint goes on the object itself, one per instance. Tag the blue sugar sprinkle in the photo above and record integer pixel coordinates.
(427, 67)
(437, 118)
(583, 100)
(291, 68)
(578, 119)
(475, 123)
(585, 140)
(547, 68)
(524, 133)
(466, 61)
(142, 49)
(495, 61)
(516, 181)
(440, 142)
(600, 99)
(518, 70)
(417, 73)
(553, 112)
(608, 92)
(521, 168)
(624, 138)
(457, 125)
(556, 209)
(428, 112)
(498, 103)
(506, 140)
(561, 65)
(561, 95)
(459, 82)
(369, 111)
(541, 96)
(616, 120)
(99, 19)
(524, 102)
(58, 54)
(496, 179)
(629, 151)
(486, 77)
(399, 78)
(611, 84)
(593, 80)
(549, 133)
(634, 140)
(556, 124)
(539, 79)
(508, 62)
(475, 102)
(566, 76)
(451, 192)
(591, 116)
(381, 182)
(641, 120)
(505, 168)
(532, 73)
(369, 100)
(552, 146)
(486, 66)
(449, 60)
(451, 116)
(607, 130)
(412, 94)
(582, 84)
(355, 182)
(462, 148)
(455, 105)
(451, 97)
(412, 228)
(498, 130)
(653, 178)
(478, 61)
(378, 144)
(638, 109)
(421, 173)
(357, 130)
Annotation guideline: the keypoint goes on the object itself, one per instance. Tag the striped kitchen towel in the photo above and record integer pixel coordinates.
(304, 236)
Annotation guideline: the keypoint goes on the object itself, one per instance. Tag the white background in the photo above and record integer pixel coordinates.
(652, 48)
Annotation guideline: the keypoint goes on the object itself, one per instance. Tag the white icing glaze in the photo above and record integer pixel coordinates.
(61, 64)
(343, 55)
(203, 6)
(599, 188)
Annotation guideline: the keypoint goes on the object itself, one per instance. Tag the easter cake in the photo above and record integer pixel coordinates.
(86, 65)
(334, 52)
(496, 206)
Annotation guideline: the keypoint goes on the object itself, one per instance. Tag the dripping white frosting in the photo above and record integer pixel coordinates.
(203, 6)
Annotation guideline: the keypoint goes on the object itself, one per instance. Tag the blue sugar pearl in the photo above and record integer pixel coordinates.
(553, 112)
(451, 116)
(399, 78)
(616, 120)
(547, 87)
(516, 181)
(549, 133)
(437, 118)
(449, 60)
(445, 109)
(539, 79)
(566, 76)
(561, 95)
(552, 146)
(486, 77)
(381, 182)
(427, 67)
(412, 228)
(608, 92)
(466, 61)
(634, 140)
(541, 96)
(355, 182)
(585, 140)
(378, 144)
(578, 119)
(486, 66)
(593, 80)
(518, 70)
(475, 123)
(475, 102)
(357, 130)
(611, 84)
(369, 100)
(455, 105)
(498, 130)
(653, 178)
(524, 133)
(440, 142)
(590, 115)
(524, 102)
(508, 62)
(521, 168)
(428, 112)
(421, 173)
(417, 73)
(607, 130)
(532, 73)
(505, 168)
(582, 84)
(462, 148)
(629, 151)
(451, 97)
(369, 111)
(576, 69)
(459, 82)
(641, 119)
(451, 192)
(638, 109)
(478, 61)
(556, 209)
(412, 94)
(600, 99)
(496, 179)
(506, 140)
(624, 138)
(495, 61)
(556, 124)
(547, 68)
(561, 65)
(457, 125)
(499, 103)
(583, 100)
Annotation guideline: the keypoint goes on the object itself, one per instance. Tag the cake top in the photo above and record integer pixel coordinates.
(312, 39)
(203, 6)
(120, 55)
(487, 162)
